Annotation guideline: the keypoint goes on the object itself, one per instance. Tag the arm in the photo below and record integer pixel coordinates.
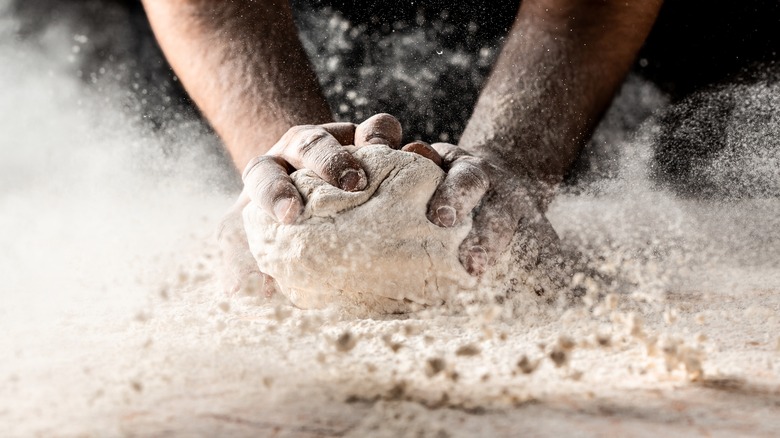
(243, 65)
(557, 72)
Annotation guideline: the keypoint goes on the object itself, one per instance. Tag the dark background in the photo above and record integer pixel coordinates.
(374, 58)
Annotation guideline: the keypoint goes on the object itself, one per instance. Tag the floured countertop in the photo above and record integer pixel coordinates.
(182, 359)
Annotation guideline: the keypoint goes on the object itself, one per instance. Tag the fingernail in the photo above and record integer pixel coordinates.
(352, 180)
(286, 210)
(476, 261)
(446, 216)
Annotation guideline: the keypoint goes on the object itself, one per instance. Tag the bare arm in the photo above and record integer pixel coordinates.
(243, 65)
(557, 72)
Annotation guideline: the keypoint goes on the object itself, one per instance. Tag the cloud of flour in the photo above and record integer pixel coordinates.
(714, 226)
(91, 193)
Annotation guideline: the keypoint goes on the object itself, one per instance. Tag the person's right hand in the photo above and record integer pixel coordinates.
(267, 183)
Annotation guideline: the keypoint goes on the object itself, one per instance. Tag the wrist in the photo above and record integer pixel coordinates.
(536, 182)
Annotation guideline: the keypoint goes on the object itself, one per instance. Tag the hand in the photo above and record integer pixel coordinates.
(268, 184)
(318, 148)
(503, 203)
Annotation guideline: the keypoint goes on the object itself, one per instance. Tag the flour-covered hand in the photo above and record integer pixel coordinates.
(320, 149)
(502, 203)
(267, 182)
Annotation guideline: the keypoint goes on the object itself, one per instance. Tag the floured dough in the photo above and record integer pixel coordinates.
(374, 248)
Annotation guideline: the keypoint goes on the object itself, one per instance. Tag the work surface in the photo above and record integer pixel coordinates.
(99, 342)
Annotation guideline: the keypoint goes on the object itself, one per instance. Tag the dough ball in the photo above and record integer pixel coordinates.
(372, 248)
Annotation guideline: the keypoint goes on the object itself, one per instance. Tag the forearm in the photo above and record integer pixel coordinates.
(556, 74)
(243, 65)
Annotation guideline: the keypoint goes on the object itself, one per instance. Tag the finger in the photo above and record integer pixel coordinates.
(314, 148)
(424, 149)
(499, 218)
(490, 234)
(379, 129)
(448, 152)
(267, 184)
(462, 189)
(343, 132)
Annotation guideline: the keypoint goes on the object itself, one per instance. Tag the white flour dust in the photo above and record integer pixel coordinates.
(114, 325)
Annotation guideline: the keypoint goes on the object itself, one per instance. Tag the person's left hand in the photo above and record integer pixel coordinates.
(503, 203)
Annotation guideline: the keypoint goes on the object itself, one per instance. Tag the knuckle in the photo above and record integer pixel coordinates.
(299, 129)
(449, 152)
(470, 176)
(383, 118)
(289, 136)
(270, 184)
(279, 188)
(258, 163)
(309, 145)
(471, 160)
(379, 128)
